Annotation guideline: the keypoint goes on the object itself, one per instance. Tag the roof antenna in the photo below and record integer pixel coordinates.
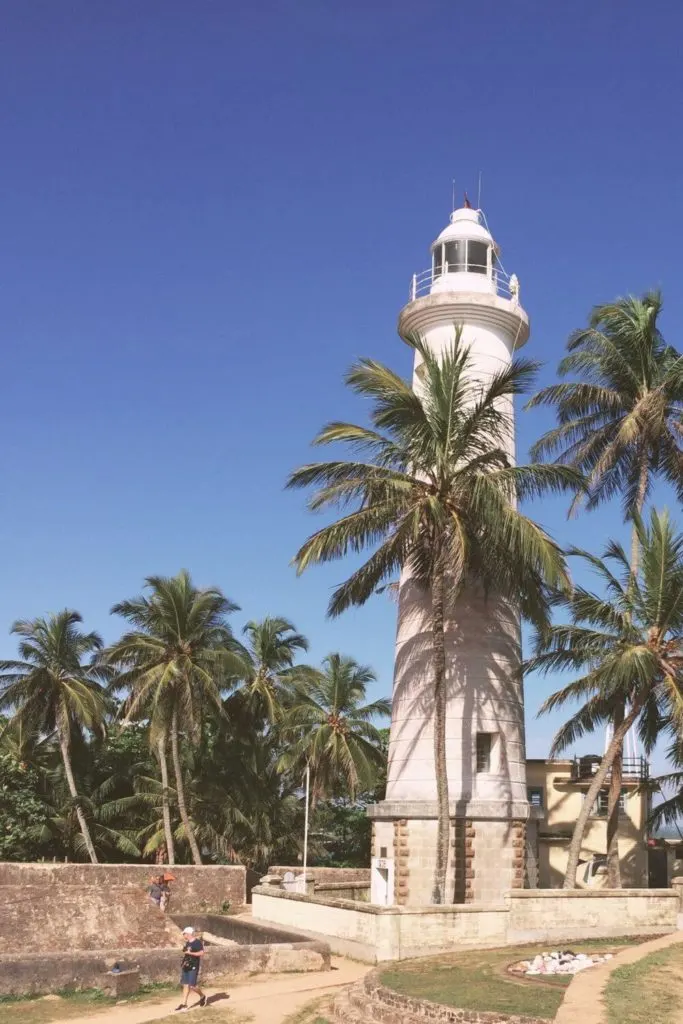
(453, 196)
(467, 204)
(479, 193)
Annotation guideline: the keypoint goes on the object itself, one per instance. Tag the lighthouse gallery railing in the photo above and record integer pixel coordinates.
(422, 284)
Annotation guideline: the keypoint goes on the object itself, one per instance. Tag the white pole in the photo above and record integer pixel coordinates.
(308, 785)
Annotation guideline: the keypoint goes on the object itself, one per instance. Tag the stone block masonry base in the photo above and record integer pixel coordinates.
(463, 835)
(401, 859)
(486, 858)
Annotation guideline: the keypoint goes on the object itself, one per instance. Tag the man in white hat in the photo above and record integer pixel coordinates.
(193, 951)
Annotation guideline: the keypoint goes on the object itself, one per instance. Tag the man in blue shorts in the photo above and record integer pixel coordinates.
(193, 951)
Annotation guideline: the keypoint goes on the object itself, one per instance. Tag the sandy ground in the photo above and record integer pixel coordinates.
(583, 1000)
(267, 1000)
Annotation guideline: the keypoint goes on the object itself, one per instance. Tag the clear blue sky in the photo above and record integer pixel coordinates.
(208, 212)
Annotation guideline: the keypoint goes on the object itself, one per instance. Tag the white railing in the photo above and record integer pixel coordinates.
(507, 286)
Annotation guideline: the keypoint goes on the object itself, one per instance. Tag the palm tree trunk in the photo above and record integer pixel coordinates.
(180, 792)
(440, 763)
(71, 782)
(613, 865)
(640, 502)
(592, 795)
(165, 802)
(616, 781)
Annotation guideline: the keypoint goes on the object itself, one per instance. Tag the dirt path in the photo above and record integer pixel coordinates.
(267, 1000)
(583, 1001)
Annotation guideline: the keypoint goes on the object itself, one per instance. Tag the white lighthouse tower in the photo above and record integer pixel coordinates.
(465, 287)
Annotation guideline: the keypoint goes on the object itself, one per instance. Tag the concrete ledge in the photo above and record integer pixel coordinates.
(590, 894)
(427, 810)
(272, 950)
(371, 908)
(464, 307)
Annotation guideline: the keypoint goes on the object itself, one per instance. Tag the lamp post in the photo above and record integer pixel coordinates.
(308, 786)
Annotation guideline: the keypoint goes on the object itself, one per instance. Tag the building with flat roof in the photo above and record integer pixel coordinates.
(556, 791)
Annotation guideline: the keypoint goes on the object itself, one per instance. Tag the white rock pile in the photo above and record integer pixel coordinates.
(562, 962)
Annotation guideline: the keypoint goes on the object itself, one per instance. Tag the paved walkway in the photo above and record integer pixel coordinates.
(583, 1000)
(267, 1000)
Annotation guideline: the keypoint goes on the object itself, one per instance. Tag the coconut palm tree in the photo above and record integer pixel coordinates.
(180, 655)
(273, 646)
(56, 690)
(620, 424)
(670, 787)
(329, 727)
(433, 491)
(627, 648)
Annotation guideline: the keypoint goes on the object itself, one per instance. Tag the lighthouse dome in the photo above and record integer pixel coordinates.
(465, 223)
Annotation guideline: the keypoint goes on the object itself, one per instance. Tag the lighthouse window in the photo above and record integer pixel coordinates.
(484, 752)
(438, 261)
(455, 256)
(476, 257)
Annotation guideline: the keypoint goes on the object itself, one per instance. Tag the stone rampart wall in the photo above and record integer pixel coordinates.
(41, 919)
(195, 888)
(39, 973)
(54, 907)
(345, 890)
(547, 915)
(375, 933)
(359, 875)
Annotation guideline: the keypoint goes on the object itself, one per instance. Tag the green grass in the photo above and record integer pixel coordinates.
(215, 1014)
(648, 991)
(95, 995)
(477, 979)
(310, 1013)
(70, 1003)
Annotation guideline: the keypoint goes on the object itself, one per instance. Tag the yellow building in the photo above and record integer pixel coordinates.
(556, 791)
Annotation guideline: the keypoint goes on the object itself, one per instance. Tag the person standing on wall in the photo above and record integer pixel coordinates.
(164, 881)
(155, 890)
(193, 951)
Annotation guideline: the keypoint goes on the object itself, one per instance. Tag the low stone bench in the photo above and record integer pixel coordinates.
(120, 984)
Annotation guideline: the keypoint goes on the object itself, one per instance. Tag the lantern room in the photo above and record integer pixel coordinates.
(464, 256)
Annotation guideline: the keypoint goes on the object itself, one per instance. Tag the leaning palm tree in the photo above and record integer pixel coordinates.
(273, 646)
(627, 648)
(180, 654)
(330, 728)
(620, 424)
(433, 492)
(55, 690)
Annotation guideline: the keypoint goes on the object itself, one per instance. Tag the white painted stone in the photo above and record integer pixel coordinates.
(484, 689)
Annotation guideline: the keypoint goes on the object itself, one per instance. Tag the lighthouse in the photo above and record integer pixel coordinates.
(465, 288)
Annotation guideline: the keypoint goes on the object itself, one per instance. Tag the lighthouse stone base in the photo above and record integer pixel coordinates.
(487, 855)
